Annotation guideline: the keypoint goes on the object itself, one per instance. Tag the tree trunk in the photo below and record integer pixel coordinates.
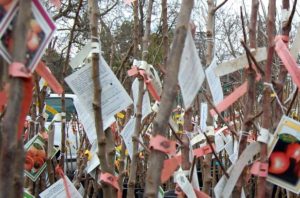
(266, 121)
(169, 94)
(94, 18)
(12, 152)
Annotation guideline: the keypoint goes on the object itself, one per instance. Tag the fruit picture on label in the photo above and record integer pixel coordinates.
(284, 159)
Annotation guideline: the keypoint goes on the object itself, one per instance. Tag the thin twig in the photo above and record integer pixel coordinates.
(292, 15)
(193, 168)
(245, 36)
(216, 156)
(220, 5)
(141, 143)
(252, 57)
(291, 105)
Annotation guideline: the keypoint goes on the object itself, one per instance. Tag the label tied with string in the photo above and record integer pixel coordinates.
(169, 167)
(60, 172)
(163, 144)
(17, 69)
(95, 47)
(111, 180)
(263, 136)
(259, 169)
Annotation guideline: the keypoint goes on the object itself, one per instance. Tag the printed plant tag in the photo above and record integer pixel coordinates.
(57, 190)
(35, 157)
(214, 82)
(284, 155)
(39, 35)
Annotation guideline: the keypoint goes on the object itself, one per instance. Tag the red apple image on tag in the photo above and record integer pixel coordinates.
(279, 162)
(293, 151)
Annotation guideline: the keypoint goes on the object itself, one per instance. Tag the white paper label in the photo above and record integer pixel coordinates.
(214, 82)
(57, 190)
(127, 134)
(185, 185)
(114, 97)
(191, 74)
(204, 109)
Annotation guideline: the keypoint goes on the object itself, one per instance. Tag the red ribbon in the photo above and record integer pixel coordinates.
(135, 71)
(26, 102)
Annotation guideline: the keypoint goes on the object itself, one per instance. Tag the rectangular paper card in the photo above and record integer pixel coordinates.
(57, 190)
(114, 97)
(284, 155)
(35, 158)
(203, 118)
(86, 117)
(214, 82)
(241, 62)
(39, 35)
(191, 74)
(127, 134)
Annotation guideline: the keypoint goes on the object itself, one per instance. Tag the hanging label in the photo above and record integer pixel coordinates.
(191, 74)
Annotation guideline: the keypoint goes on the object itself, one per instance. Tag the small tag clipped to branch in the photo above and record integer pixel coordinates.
(199, 152)
(259, 169)
(163, 144)
(111, 180)
(263, 136)
(17, 69)
(169, 167)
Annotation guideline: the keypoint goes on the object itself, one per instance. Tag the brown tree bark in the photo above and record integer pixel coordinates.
(102, 154)
(138, 114)
(169, 93)
(165, 32)
(266, 121)
(251, 94)
(12, 152)
(64, 74)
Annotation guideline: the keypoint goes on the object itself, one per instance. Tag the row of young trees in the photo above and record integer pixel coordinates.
(154, 32)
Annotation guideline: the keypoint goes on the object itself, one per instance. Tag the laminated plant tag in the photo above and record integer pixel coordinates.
(284, 155)
(35, 157)
(191, 74)
(40, 33)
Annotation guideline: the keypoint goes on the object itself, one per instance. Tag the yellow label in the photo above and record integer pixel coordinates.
(120, 115)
